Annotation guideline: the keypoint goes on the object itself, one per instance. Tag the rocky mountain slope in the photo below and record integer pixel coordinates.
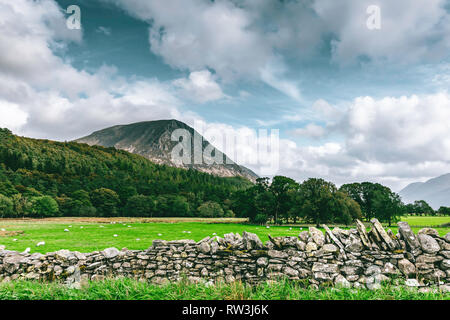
(152, 139)
(435, 191)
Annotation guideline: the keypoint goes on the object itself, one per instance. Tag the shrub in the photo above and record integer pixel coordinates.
(210, 209)
(106, 202)
(6, 206)
(139, 206)
(44, 206)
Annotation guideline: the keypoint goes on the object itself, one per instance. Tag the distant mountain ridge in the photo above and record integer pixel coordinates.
(435, 191)
(152, 139)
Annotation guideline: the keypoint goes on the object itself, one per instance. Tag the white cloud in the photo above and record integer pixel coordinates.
(12, 116)
(44, 96)
(223, 36)
(410, 31)
(394, 129)
(441, 78)
(200, 87)
(391, 140)
(29, 32)
(252, 38)
(106, 31)
(218, 37)
(326, 111)
(311, 130)
(275, 80)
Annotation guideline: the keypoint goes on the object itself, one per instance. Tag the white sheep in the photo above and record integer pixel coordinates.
(66, 230)
(115, 235)
(42, 243)
(27, 250)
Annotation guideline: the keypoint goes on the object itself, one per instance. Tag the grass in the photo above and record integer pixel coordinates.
(90, 234)
(426, 221)
(128, 289)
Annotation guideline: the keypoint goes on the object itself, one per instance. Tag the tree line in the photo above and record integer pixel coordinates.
(317, 201)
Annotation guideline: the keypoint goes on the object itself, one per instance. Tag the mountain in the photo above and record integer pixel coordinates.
(435, 191)
(152, 139)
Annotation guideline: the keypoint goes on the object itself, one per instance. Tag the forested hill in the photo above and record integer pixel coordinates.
(93, 180)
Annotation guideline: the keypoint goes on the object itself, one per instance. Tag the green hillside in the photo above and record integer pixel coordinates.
(88, 180)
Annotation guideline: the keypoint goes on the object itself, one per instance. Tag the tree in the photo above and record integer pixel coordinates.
(180, 206)
(229, 214)
(421, 207)
(409, 208)
(296, 200)
(80, 209)
(140, 206)
(366, 194)
(210, 209)
(81, 205)
(6, 207)
(105, 201)
(6, 188)
(22, 205)
(243, 203)
(388, 206)
(316, 197)
(44, 206)
(64, 204)
(125, 192)
(265, 204)
(280, 188)
(345, 209)
(162, 205)
(83, 196)
(445, 211)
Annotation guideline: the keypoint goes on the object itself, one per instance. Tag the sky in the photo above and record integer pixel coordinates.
(353, 99)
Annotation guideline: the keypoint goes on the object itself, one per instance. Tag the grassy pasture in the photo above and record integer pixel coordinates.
(128, 289)
(89, 234)
(426, 221)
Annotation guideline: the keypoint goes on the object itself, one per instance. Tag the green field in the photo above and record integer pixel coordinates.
(89, 234)
(427, 221)
(127, 289)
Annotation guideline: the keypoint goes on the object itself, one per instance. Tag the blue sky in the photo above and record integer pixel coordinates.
(350, 103)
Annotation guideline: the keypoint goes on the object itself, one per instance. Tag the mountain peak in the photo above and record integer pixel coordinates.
(152, 139)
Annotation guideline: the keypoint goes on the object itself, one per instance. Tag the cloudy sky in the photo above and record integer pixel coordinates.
(351, 103)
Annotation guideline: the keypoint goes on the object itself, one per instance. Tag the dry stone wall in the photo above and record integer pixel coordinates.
(350, 258)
